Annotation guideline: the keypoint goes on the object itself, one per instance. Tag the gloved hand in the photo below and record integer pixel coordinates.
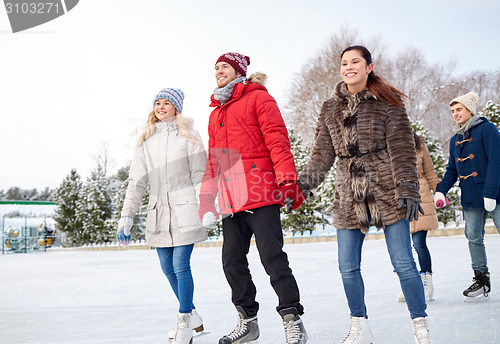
(207, 206)
(123, 232)
(412, 208)
(440, 200)
(209, 220)
(306, 190)
(292, 194)
(490, 204)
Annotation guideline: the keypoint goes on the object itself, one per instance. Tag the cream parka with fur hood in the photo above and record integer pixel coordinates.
(173, 166)
(376, 160)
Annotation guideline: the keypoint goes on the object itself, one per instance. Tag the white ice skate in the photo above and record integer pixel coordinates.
(421, 331)
(359, 332)
(428, 287)
(183, 330)
(196, 324)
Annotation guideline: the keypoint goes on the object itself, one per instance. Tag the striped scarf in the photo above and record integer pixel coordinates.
(224, 93)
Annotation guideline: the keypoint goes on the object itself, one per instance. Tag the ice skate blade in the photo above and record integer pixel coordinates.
(199, 331)
(195, 335)
(256, 341)
(199, 334)
(476, 299)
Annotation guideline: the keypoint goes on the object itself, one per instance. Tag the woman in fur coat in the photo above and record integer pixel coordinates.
(428, 181)
(170, 157)
(365, 128)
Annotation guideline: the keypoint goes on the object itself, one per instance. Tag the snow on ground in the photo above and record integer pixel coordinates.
(77, 297)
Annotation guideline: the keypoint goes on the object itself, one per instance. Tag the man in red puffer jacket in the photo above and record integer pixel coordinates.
(251, 169)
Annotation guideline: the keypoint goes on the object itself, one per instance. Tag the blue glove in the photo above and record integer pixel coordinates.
(123, 233)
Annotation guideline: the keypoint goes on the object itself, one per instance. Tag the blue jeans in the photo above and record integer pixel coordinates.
(420, 245)
(397, 238)
(175, 263)
(475, 220)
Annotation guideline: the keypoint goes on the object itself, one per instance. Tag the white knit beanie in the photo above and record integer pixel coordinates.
(468, 100)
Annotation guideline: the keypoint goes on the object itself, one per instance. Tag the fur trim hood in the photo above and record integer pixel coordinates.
(258, 78)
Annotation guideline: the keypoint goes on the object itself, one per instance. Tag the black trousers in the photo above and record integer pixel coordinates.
(265, 224)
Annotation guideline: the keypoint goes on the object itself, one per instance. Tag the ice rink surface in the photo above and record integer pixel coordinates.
(77, 297)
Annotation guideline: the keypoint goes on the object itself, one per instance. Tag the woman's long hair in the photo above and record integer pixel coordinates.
(378, 86)
(183, 123)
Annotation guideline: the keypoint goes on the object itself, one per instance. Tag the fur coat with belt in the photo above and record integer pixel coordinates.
(372, 142)
(428, 181)
(173, 166)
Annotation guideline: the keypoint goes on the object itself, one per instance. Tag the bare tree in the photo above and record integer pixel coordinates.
(420, 81)
(102, 157)
(315, 82)
(430, 87)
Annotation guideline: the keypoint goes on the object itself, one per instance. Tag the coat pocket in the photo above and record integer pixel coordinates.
(187, 216)
(152, 217)
(185, 206)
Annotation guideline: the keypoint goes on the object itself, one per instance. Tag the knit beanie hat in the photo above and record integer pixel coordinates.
(468, 100)
(237, 61)
(175, 95)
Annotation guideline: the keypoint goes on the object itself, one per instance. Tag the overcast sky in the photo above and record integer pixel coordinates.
(86, 80)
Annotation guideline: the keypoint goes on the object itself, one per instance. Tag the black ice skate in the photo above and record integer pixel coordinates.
(246, 331)
(295, 332)
(479, 290)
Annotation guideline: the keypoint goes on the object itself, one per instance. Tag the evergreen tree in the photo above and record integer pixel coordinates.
(308, 215)
(492, 113)
(15, 193)
(326, 191)
(95, 208)
(45, 195)
(67, 200)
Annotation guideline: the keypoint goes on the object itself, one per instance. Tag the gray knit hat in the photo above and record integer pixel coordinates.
(468, 100)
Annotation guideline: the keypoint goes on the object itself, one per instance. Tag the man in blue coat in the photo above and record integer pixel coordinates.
(475, 161)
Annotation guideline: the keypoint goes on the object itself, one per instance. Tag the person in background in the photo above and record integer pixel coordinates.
(474, 160)
(428, 181)
(170, 157)
(252, 170)
(365, 129)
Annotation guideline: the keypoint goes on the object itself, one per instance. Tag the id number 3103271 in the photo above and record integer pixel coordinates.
(33, 7)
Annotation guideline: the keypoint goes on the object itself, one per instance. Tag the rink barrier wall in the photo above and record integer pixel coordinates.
(217, 241)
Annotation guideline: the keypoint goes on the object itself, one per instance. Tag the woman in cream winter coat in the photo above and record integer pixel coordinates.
(170, 157)
(428, 181)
